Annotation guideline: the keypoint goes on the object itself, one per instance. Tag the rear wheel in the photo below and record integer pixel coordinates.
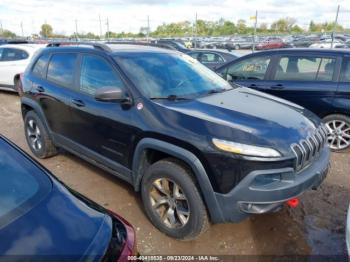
(338, 131)
(37, 136)
(172, 201)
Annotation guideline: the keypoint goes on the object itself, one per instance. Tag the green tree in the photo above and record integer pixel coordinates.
(46, 30)
(7, 33)
(241, 26)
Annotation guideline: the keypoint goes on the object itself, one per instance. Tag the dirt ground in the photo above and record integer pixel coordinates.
(317, 226)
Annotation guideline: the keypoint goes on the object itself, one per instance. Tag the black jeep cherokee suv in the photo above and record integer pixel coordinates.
(196, 147)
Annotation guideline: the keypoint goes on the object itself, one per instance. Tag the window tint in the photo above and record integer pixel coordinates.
(210, 58)
(194, 55)
(252, 68)
(61, 69)
(39, 67)
(97, 73)
(22, 184)
(346, 71)
(305, 69)
(13, 54)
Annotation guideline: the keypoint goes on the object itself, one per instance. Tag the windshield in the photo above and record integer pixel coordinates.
(170, 74)
(22, 184)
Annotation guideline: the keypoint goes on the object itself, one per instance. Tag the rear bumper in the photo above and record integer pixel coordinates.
(263, 191)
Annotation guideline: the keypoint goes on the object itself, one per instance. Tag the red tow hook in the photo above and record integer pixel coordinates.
(293, 203)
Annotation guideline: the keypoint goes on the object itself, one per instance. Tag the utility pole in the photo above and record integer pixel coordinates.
(76, 30)
(195, 33)
(335, 25)
(99, 18)
(255, 24)
(2, 29)
(22, 29)
(148, 28)
(107, 29)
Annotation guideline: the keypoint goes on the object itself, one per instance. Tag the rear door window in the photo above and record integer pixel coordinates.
(13, 54)
(61, 69)
(22, 184)
(346, 71)
(210, 58)
(297, 68)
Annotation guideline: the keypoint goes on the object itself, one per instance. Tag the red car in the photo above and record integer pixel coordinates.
(271, 44)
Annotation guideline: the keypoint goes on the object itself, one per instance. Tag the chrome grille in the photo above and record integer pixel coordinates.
(307, 149)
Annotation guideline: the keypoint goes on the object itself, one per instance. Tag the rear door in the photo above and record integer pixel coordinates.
(307, 80)
(251, 72)
(53, 85)
(342, 97)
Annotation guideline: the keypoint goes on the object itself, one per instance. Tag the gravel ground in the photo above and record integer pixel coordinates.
(317, 226)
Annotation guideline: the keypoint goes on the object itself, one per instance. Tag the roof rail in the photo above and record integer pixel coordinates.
(160, 45)
(99, 46)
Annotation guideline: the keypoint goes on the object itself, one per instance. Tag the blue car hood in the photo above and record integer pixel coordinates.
(60, 225)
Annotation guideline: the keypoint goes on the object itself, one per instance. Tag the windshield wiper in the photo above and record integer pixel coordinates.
(169, 97)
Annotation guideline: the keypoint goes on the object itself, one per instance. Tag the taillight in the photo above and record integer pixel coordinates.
(294, 202)
(129, 247)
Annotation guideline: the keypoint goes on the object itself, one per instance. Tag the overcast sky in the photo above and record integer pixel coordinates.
(130, 15)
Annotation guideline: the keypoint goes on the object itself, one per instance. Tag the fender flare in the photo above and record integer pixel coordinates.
(37, 109)
(186, 156)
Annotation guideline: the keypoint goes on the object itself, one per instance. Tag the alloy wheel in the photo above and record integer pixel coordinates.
(34, 135)
(170, 203)
(338, 134)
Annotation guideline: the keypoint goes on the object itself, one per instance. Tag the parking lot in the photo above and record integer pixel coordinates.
(317, 226)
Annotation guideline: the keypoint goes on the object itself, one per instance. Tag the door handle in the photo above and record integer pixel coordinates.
(78, 102)
(277, 87)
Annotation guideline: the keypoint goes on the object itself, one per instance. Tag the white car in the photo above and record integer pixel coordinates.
(13, 61)
(328, 44)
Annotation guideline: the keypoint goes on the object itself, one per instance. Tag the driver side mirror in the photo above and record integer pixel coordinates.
(111, 94)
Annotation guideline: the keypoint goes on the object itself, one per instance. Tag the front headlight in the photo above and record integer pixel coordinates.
(244, 149)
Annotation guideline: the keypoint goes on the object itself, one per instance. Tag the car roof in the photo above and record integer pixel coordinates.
(306, 50)
(112, 49)
(28, 47)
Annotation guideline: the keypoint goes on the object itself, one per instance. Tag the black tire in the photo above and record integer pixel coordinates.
(174, 171)
(344, 131)
(34, 129)
(18, 86)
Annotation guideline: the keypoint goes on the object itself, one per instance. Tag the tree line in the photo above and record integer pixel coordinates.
(220, 27)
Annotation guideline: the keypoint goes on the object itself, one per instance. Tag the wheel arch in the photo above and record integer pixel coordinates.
(188, 158)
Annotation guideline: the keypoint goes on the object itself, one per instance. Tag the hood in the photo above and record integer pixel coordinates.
(60, 225)
(247, 116)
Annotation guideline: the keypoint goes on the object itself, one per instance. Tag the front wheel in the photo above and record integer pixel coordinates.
(338, 132)
(172, 200)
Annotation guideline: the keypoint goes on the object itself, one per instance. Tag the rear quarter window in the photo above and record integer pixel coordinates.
(39, 68)
(13, 54)
(22, 184)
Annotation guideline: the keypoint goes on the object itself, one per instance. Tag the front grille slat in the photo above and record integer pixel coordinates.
(307, 149)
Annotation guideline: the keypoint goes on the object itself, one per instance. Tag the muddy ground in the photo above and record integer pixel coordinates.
(317, 226)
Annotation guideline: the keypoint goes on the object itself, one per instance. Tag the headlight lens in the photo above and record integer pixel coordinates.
(244, 149)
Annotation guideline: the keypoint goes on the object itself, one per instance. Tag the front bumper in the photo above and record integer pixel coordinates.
(263, 191)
